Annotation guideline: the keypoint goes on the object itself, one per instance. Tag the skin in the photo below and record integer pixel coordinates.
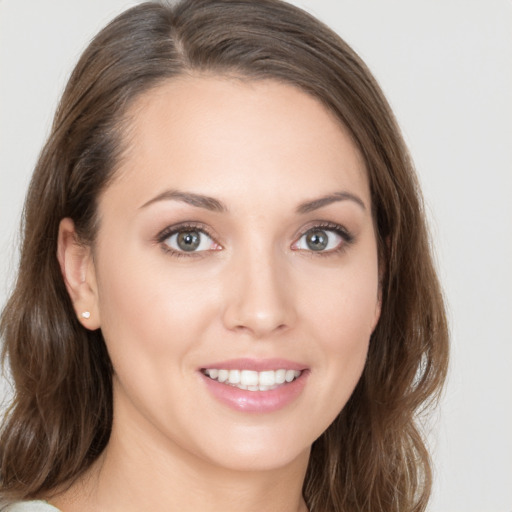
(256, 291)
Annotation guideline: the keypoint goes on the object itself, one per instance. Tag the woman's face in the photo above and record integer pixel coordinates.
(236, 244)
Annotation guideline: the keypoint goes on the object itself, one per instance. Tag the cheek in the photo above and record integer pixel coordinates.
(346, 323)
(153, 323)
(146, 311)
(342, 316)
(345, 304)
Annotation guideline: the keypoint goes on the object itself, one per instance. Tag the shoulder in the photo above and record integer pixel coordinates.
(28, 506)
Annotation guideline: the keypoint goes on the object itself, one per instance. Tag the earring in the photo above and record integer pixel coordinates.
(86, 314)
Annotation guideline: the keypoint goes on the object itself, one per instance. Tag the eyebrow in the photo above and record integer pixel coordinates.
(212, 204)
(199, 200)
(315, 204)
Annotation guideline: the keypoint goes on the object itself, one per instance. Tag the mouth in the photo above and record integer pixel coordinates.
(250, 380)
(255, 385)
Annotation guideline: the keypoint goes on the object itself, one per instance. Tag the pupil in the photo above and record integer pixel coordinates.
(317, 240)
(188, 240)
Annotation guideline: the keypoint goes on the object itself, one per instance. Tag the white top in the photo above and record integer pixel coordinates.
(29, 506)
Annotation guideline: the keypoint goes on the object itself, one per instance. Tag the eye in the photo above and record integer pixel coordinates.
(188, 240)
(323, 239)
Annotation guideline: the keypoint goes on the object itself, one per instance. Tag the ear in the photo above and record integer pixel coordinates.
(77, 267)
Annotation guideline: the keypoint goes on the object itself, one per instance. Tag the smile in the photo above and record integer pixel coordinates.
(252, 380)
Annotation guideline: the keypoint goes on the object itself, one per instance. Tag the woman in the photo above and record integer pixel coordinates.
(226, 297)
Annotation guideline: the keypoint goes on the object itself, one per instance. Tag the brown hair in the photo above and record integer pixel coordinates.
(372, 457)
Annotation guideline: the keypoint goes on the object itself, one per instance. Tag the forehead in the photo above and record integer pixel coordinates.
(222, 136)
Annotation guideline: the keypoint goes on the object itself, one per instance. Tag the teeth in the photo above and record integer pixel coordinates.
(248, 378)
(280, 376)
(223, 375)
(214, 374)
(267, 378)
(234, 377)
(290, 375)
(251, 380)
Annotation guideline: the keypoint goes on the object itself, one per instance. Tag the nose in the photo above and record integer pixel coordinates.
(259, 296)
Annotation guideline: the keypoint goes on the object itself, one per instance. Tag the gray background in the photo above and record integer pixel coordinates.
(447, 70)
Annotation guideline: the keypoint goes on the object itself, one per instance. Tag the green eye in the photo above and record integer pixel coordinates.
(189, 240)
(320, 239)
(317, 240)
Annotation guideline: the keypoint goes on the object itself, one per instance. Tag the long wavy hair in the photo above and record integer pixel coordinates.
(373, 456)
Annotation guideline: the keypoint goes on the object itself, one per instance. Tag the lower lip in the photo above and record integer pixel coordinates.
(256, 401)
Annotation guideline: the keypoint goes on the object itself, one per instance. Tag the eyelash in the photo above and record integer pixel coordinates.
(347, 238)
(173, 230)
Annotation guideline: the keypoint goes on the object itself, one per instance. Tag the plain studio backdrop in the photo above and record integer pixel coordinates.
(446, 68)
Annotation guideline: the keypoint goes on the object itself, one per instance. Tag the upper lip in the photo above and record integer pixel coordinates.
(258, 365)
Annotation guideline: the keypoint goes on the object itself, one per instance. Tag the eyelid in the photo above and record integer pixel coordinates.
(169, 231)
(347, 237)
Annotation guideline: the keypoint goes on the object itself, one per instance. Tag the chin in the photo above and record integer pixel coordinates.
(263, 461)
(258, 451)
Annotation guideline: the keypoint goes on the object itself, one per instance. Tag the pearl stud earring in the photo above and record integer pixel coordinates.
(86, 314)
